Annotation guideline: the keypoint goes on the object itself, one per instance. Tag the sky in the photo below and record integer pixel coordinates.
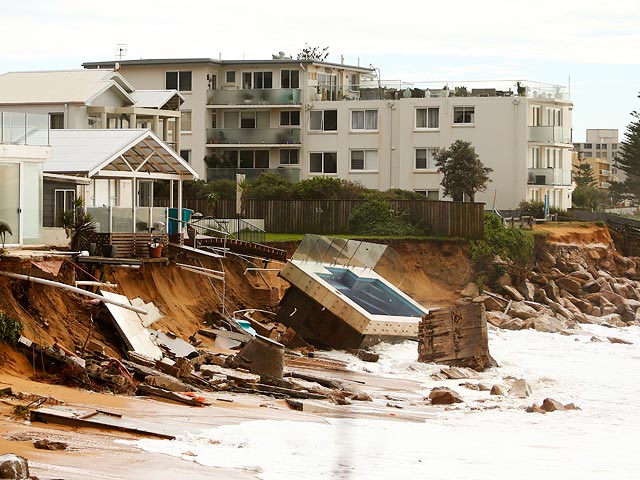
(486, 438)
(589, 45)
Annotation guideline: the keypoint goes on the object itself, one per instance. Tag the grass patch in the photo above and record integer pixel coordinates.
(297, 237)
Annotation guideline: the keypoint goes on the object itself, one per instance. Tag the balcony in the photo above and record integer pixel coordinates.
(605, 172)
(265, 96)
(24, 128)
(291, 174)
(549, 176)
(253, 136)
(550, 134)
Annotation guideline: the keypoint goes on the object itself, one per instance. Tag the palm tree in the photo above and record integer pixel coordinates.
(4, 229)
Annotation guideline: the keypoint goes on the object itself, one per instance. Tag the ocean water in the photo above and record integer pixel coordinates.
(486, 438)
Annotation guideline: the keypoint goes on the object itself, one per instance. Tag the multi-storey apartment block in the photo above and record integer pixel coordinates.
(600, 151)
(305, 118)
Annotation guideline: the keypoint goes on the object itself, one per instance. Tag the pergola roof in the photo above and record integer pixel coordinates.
(115, 153)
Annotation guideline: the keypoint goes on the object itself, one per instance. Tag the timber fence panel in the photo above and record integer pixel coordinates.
(444, 219)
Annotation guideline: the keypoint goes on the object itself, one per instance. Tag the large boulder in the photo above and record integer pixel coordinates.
(549, 324)
(522, 310)
(513, 293)
(14, 467)
(569, 284)
(471, 290)
(591, 287)
(497, 318)
(520, 388)
(444, 396)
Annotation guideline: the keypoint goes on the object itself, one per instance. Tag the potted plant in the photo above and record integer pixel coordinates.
(522, 90)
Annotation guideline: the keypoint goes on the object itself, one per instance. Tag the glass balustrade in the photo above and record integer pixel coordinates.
(24, 128)
(550, 134)
(273, 136)
(549, 176)
(265, 96)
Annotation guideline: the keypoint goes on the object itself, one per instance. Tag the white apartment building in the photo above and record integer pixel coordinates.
(317, 118)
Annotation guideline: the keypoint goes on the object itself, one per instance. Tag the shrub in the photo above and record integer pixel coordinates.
(514, 244)
(534, 209)
(10, 329)
(269, 186)
(327, 188)
(377, 218)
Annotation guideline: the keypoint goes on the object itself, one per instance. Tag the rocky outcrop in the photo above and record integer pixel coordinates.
(569, 285)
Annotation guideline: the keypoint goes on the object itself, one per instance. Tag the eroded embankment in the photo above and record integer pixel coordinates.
(434, 272)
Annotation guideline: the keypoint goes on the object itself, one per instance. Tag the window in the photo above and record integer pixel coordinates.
(186, 155)
(63, 201)
(366, 120)
(253, 119)
(588, 145)
(254, 158)
(536, 115)
(214, 120)
(554, 117)
(353, 82)
(428, 117)
(289, 157)
(323, 162)
(534, 158)
(328, 86)
(323, 120)
(253, 80)
(56, 121)
(365, 160)
(553, 158)
(430, 194)
(289, 79)
(424, 159)
(463, 115)
(94, 121)
(289, 117)
(180, 81)
(230, 76)
(185, 125)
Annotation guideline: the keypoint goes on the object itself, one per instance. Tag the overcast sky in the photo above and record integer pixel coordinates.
(592, 44)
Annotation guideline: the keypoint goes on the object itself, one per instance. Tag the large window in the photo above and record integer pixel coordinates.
(462, 115)
(428, 117)
(323, 162)
(251, 80)
(364, 120)
(230, 76)
(185, 124)
(536, 116)
(63, 201)
(328, 86)
(289, 157)
(364, 160)
(246, 119)
(424, 159)
(186, 155)
(56, 121)
(290, 117)
(289, 79)
(323, 120)
(430, 194)
(254, 158)
(180, 81)
(554, 117)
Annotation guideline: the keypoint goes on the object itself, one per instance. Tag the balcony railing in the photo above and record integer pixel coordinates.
(264, 96)
(550, 134)
(120, 219)
(549, 176)
(292, 174)
(253, 136)
(24, 128)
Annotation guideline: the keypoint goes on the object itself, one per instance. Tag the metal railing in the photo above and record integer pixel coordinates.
(24, 128)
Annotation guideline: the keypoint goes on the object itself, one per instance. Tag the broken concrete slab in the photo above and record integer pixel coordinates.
(97, 419)
(130, 326)
(176, 346)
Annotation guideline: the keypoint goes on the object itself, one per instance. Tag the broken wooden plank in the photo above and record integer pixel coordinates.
(182, 397)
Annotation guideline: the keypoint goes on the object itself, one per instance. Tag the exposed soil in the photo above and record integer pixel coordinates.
(432, 273)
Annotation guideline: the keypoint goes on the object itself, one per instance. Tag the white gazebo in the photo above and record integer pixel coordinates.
(122, 166)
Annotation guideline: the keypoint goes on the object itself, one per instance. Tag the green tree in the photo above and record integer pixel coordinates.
(463, 172)
(316, 54)
(584, 175)
(588, 196)
(629, 155)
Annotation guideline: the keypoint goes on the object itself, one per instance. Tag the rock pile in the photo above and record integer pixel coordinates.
(569, 285)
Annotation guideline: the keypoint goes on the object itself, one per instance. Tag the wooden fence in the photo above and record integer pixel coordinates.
(445, 219)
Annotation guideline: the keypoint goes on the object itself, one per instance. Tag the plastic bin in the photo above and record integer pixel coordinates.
(174, 227)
